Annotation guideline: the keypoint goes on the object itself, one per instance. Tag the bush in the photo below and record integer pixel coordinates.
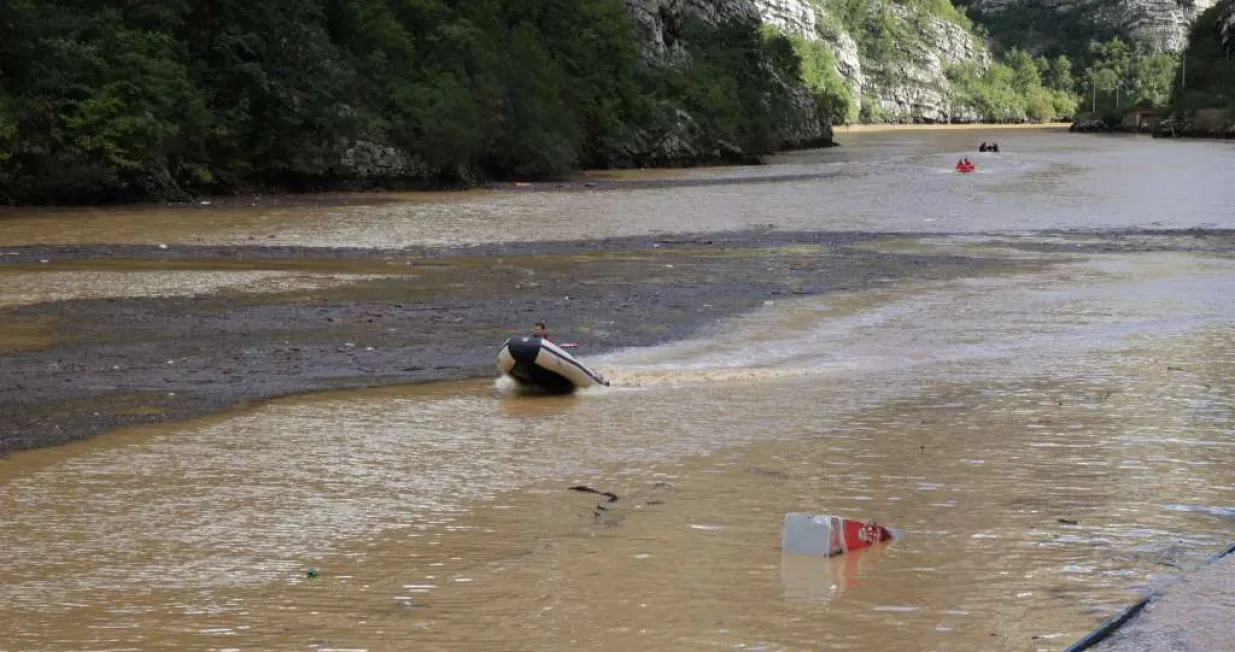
(831, 92)
(121, 100)
(1211, 68)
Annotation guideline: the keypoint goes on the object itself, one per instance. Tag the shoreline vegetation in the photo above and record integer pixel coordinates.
(231, 349)
(954, 126)
(121, 102)
(105, 365)
(1202, 97)
(583, 179)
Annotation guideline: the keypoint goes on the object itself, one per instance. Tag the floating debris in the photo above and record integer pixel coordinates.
(826, 536)
(586, 489)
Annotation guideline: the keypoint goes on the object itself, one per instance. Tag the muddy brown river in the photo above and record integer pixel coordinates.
(1053, 441)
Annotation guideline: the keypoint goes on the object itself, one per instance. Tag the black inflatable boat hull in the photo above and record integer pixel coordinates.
(541, 363)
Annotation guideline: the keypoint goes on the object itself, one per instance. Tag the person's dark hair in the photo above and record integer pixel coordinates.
(540, 324)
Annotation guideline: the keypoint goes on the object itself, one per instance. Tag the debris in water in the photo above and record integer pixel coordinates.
(312, 572)
(585, 489)
(1066, 521)
(772, 473)
(825, 536)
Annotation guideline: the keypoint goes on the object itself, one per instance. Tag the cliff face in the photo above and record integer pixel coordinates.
(1205, 107)
(659, 23)
(659, 26)
(1228, 26)
(909, 84)
(916, 86)
(1162, 23)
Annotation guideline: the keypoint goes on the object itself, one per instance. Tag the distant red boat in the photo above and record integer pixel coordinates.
(965, 169)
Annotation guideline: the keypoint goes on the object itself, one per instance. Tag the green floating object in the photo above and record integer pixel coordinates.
(313, 572)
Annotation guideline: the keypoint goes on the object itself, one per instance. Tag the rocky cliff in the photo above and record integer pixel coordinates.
(1164, 23)
(1228, 27)
(1205, 107)
(914, 85)
(1161, 23)
(908, 83)
(660, 26)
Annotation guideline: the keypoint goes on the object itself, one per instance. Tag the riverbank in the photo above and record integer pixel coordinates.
(599, 179)
(78, 368)
(1191, 614)
(986, 414)
(1210, 124)
(968, 126)
(393, 317)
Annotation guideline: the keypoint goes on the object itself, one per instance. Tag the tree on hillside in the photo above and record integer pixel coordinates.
(1121, 75)
(120, 99)
(1210, 81)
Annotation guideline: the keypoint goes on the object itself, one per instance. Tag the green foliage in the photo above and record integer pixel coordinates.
(882, 36)
(1121, 75)
(732, 83)
(1210, 82)
(1057, 73)
(891, 36)
(1013, 90)
(1044, 28)
(95, 103)
(831, 92)
(946, 10)
(871, 112)
(123, 99)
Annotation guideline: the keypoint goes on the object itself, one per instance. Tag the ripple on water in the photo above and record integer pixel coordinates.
(1042, 181)
(232, 504)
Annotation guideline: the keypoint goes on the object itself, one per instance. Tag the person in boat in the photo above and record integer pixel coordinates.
(995, 147)
(983, 147)
(539, 330)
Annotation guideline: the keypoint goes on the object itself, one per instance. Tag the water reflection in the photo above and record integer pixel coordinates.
(823, 578)
(22, 288)
(975, 414)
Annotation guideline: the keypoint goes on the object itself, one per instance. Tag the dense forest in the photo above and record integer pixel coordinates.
(120, 100)
(1210, 73)
(1082, 61)
(1043, 64)
(112, 100)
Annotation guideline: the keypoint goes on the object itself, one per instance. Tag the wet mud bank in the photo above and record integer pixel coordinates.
(73, 369)
(1192, 614)
(435, 315)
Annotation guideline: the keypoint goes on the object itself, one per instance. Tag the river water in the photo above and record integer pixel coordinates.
(1051, 442)
(889, 181)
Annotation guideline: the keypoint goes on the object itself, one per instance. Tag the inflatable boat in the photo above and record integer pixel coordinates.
(541, 363)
